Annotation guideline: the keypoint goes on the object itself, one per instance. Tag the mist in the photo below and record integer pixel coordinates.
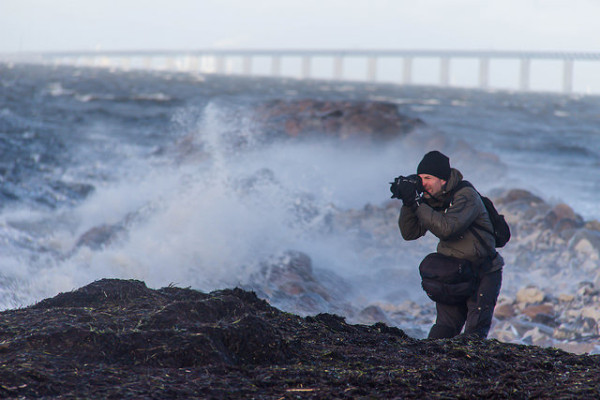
(209, 219)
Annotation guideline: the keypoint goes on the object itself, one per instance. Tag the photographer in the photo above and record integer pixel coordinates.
(437, 200)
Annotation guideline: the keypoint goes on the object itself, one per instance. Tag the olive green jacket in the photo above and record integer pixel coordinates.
(451, 224)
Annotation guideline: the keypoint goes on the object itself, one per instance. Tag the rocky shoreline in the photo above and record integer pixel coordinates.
(119, 339)
(550, 295)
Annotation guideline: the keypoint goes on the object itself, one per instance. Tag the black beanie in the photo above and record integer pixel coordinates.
(436, 164)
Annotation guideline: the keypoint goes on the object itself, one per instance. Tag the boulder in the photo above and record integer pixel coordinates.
(288, 280)
(562, 217)
(99, 237)
(504, 311)
(341, 119)
(373, 314)
(586, 241)
(518, 195)
(535, 310)
(541, 313)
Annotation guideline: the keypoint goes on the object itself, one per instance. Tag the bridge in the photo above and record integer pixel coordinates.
(565, 72)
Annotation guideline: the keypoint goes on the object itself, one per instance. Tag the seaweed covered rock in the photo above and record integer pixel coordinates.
(120, 339)
(124, 322)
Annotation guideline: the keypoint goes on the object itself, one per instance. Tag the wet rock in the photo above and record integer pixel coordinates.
(505, 311)
(104, 235)
(289, 281)
(562, 217)
(519, 195)
(373, 314)
(341, 119)
(542, 313)
(99, 237)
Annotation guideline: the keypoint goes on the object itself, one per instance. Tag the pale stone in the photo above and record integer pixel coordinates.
(584, 246)
(505, 336)
(530, 295)
(585, 241)
(562, 333)
(591, 312)
(566, 298)
(505, 332)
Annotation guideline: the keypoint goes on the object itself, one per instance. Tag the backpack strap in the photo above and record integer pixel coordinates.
(474, 225)
(491, 250)
(450, 197)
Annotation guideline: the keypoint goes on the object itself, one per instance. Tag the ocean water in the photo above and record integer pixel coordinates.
(149, 165)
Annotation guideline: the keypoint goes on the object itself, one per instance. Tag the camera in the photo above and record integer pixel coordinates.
(413, 182)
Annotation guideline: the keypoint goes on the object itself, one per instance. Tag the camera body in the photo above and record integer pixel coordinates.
(413, 182)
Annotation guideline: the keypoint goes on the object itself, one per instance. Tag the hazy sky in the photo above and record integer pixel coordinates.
(33, 25)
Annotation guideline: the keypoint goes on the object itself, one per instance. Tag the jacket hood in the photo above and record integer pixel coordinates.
(455, 178)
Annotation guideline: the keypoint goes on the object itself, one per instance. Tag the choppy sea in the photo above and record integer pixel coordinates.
(85, 149)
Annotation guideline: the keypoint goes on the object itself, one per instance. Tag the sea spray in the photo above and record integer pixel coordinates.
(209, 221)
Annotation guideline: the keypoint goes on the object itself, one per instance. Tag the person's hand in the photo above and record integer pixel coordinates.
(404, 189)
(395, 188)
(408, 192)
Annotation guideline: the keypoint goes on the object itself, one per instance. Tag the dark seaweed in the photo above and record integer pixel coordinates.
(119, 339)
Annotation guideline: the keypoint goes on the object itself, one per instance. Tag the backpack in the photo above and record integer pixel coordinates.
(447, 280)
(501, 230)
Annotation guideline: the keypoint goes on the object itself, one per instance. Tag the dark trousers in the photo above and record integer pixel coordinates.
(475, 314)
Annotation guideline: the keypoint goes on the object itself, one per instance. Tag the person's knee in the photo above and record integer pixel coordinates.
(441, 332)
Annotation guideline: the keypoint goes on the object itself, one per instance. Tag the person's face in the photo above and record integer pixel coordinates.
(432, 184)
